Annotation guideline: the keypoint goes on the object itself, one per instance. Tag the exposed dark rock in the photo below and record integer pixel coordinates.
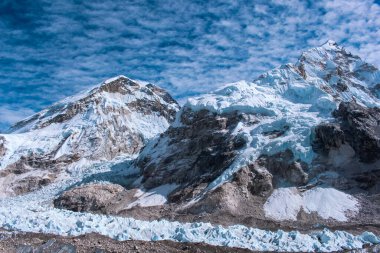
(88, 198)
(187, 192)
(376, 90)
(119, 86)
(2, 146)
(361, 127)
(196, 152)
(368, 180)
(257, 181)
(327, 136)
(31, 183)
(149, 107)
(357, 126)
(284, 168)
(162, 93)
(341, 86)
(18, 179)
(301, 69)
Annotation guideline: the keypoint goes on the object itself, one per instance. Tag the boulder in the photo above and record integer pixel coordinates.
(87, 198)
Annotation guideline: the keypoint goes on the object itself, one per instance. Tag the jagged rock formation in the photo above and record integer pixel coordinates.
(361, 127)
(351, 146)
(358, 127)
(116, 118)
(2, 147)
(197, 150)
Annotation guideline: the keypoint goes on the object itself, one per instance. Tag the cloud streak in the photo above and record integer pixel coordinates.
(52, 49)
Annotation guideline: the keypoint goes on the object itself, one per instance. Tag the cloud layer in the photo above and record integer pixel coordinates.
(52, 49)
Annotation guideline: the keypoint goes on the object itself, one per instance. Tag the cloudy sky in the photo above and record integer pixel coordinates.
(52, 49)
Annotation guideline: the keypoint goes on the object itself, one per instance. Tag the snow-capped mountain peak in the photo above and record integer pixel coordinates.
(114, 118)
(118, 91)
(265, 129)
(337, 66)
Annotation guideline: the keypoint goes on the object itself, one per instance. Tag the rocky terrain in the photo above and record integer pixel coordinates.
(94, 243)
(290, 157)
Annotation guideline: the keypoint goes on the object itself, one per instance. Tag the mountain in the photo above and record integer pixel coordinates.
(115, 118)
(295, 150)
(218, 134)
(297, 146)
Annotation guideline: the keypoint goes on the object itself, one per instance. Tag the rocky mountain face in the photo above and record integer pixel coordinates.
(213, 130)
(265, 153)
(115, 118)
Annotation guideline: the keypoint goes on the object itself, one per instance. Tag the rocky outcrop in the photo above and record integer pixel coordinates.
(30, 173)
(361, 127)
(357, 126)
(285, 169)
(88, 198)
(195, 152)
(272, 171)
(350, 146)
(2, 146)
(256, 180)
(327, 136)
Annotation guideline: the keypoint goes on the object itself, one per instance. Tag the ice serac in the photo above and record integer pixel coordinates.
(247, 141)
(114, 118)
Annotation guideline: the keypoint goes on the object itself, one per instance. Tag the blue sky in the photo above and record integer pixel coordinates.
(52, 49)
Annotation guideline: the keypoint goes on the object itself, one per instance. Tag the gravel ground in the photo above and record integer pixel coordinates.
(20, 242)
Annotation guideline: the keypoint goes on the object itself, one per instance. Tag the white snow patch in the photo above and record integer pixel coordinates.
(285, 203)
(154, 197)
(329, 203)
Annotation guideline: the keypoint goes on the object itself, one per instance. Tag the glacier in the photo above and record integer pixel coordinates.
(34, 212)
